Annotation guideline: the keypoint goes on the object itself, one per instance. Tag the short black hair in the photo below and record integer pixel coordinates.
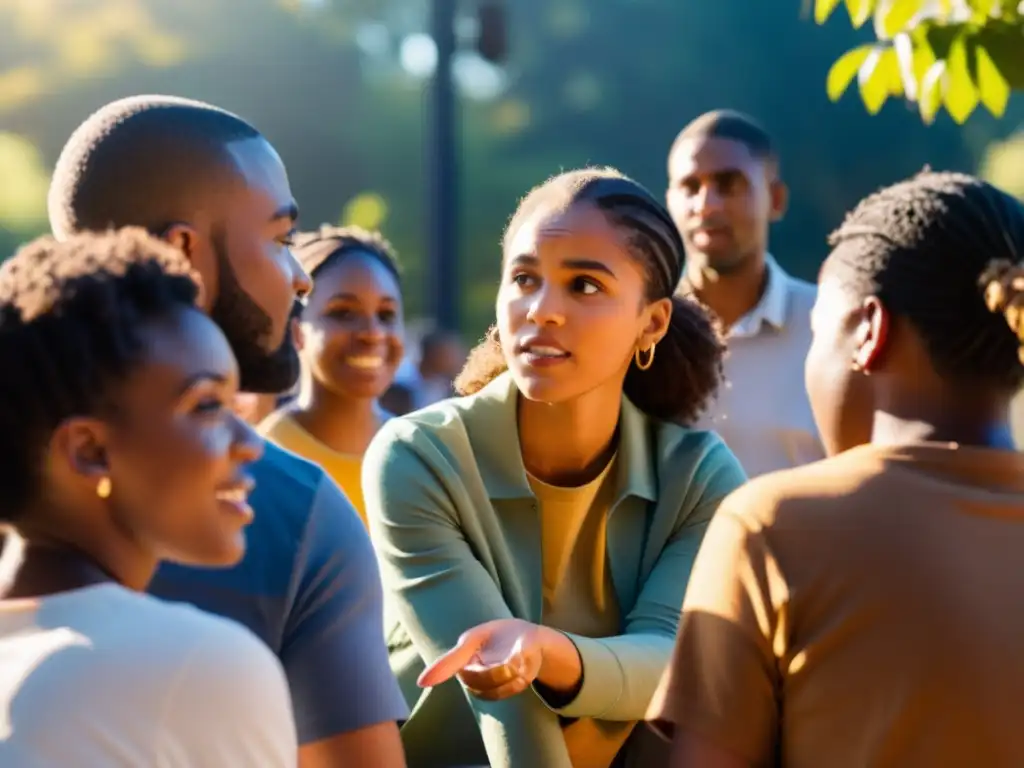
(322, 247)
(70, 315)
(928, 247)
(687, 369)
(144, 161)
(733, 126)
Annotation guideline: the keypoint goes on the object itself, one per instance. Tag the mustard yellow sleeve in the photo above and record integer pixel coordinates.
(723, 678)
(621, 673)
(417, 507)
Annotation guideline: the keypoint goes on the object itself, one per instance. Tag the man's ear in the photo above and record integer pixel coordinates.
(871, 335)
(201, 253)
(779, 193)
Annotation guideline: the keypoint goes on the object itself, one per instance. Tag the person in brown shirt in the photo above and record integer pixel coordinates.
(865, 610)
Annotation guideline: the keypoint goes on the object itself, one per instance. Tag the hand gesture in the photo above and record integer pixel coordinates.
(494, 661)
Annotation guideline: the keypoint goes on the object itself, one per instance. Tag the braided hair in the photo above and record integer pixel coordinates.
(943, 250)
(70, 317)
(327, 245)
(687, 369)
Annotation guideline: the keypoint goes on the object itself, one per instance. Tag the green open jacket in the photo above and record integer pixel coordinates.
(457, 533)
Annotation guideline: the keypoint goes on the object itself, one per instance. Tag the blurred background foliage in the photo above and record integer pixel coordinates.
(339, 87)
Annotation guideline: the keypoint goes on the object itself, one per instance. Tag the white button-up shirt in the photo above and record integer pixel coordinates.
(762, 411)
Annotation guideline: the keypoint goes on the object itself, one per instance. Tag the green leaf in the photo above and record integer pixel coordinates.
(891, 63)
(961, 97)
(924, 58)
(860, 11)
(873, 77)
(939, 36)
(992, 86)
(982, 9)
(1004, 43)
(842, 72)
(931, 91)
(823, 9)
(893, 16)
(906, 65)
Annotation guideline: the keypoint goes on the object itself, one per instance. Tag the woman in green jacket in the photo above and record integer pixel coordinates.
(536, 535)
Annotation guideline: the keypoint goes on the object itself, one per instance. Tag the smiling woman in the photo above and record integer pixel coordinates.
(120, 450)
(536, 536)
(350, 334)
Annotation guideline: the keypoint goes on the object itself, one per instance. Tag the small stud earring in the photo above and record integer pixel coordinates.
(104, 487)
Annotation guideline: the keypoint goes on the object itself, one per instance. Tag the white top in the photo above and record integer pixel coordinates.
(762, 411)
(103, 677)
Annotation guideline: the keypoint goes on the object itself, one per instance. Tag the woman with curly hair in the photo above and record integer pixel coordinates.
(120, 450)
(536, 535)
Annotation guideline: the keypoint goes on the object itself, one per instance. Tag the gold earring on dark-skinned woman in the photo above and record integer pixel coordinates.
(104, 487)
(640, 362)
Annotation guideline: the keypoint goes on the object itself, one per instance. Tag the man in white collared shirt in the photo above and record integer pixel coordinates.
(724, 192)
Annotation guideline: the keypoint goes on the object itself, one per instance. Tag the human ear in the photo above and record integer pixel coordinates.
(871, 334)
(658, 317)
(200, 251)
(80, 445)
(779, 195)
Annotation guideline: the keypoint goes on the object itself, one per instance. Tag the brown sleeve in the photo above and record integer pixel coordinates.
(723, 681)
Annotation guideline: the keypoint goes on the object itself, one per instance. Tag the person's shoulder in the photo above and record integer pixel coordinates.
(801, 292)
(684, 449)
(287, 486)
(213, 648)
(186, 620)
(280, 467)
(438, 423)
(813, 489)
(694, 466)
(166, 633)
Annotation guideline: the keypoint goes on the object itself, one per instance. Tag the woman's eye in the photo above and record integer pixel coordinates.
(586, 286)
(209, 406)
(523, 280)
(387, 316)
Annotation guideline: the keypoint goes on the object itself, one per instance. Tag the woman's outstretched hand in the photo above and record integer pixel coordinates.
(493, 660)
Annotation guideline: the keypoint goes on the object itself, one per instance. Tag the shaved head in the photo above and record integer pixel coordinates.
(730, 125)
(208, 182)
(146, 161)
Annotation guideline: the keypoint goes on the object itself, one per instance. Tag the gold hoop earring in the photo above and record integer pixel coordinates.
(104, 487)
(643, 366)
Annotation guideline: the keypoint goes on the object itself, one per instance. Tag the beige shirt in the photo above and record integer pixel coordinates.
(578, 592)
(103, 677)
(861, 611)
(762, 411)
(579, 596)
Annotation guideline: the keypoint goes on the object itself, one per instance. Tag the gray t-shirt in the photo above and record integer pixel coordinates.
(309, 587)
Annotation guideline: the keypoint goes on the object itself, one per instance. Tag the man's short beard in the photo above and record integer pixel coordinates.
(248, 329)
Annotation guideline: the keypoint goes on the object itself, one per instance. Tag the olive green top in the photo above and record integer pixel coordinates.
(457, 532)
